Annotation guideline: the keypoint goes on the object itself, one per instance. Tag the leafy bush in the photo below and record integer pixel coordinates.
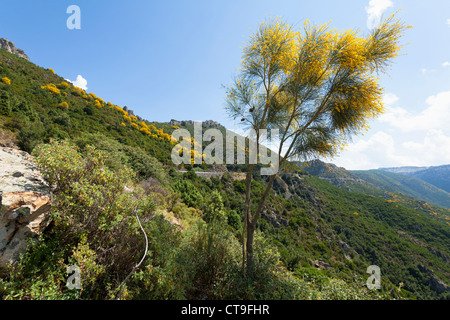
(214, 211)
(205, 258)
(189, 193)
(234, 219)
(118, 155)
(94, 225)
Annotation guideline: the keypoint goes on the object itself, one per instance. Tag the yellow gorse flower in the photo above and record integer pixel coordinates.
(6, 80)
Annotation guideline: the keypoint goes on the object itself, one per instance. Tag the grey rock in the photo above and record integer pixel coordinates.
(17, 174)
(9, 46)
(438, 285)
(25, 203)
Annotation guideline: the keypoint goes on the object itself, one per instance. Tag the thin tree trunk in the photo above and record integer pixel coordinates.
(263, 199)
(248, 185)
(250, 238)
(251, 227)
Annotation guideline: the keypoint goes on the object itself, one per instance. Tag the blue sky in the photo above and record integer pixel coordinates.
(169, 59)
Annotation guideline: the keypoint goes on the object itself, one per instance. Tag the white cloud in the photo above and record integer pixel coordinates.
(446, 64)
(384, 150)
(389, 99)
(448, 22)
(380, 150)
(435, 116)
(80, 82)
(433, 150)
(428, 71)
(375, 10)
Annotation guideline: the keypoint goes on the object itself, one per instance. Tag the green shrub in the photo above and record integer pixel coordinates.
(205, 259)
(189, 193)
(214, 211)
(93, 216)
(234, 219)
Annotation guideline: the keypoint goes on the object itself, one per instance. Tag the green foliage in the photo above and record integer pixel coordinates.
(214, 211)
(144, 165)
(206, 257)
(189, 193)
(93, 222)
(160, 278)
(234, 220)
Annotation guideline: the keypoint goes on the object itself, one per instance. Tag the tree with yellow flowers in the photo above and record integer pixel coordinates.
(317, 86)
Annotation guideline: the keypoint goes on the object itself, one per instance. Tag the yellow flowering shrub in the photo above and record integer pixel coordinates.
(100, 99)
(78, 91)
(97, 103)
(64, 85)
(51, 70)
(52, 88)
(64, 105)
(166, 136)
(123, 124)
(145, 130)
(134, 125)
(121, 111)
(6, 80)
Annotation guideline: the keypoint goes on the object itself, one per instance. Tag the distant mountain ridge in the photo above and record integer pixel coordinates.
(405, 170)
(438, 176)
(376, 182)
(406, 184)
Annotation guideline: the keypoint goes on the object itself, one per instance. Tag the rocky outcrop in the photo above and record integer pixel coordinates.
(25, 202)
(321, 265)
(9, 46)
(274, 219)
(434, 282)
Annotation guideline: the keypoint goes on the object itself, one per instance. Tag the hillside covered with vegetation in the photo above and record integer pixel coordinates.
(314, 241)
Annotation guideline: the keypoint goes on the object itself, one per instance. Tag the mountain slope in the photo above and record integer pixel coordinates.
(379, 183)
(351, 230)
(37, 105)
(438, 176)
(408, 185)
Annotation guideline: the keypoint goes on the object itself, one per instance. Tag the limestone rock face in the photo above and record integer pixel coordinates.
(9, 46)
(25, 202)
